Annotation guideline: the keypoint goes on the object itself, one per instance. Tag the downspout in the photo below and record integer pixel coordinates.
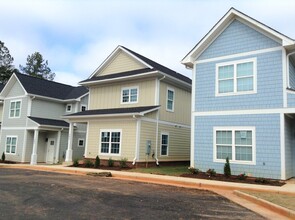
(157, 126)
(138, 122)
(288, 71)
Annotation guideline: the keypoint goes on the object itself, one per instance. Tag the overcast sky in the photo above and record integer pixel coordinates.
(76, 36)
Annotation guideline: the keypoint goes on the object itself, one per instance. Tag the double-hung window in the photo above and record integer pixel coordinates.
(10, 145)
(237, 77)
(110, 141)
(14, 110)
(129, 95)
(170, 100)
(238, 144)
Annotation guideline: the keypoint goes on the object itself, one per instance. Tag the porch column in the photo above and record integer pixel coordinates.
(57, 147)
(69, 153)
(35, 145)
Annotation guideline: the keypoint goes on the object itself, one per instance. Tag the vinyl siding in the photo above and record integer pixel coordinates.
(237, 38)
(147, 132)
(292, 73)
(268, 155)
(182, 105)
(128, 138)
(269, 86)
(15, 122)
(122, 62)
(1, 112)
(109, 96)
(47, 109)
(179, 142)
(290, 146)
(16, 90)
(19, 145)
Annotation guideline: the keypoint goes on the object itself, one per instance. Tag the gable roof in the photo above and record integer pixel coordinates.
(49, 122)
(221, 24)
(115, 111)
(50, 89)
(150, 67)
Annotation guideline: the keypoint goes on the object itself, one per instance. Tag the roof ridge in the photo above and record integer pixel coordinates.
(49, 81)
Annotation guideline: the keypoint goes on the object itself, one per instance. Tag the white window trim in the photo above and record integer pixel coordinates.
(170, 89)
(11, 136)
(110, 130)
(235, 63)
(233, 129)
(20, 108)
(129, 88)
(81, 139)
(67, 107)
(83, 106)
(164, 133)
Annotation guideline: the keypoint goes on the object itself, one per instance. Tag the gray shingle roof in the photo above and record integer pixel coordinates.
(111, 111)
(49, 122)
(50, 89)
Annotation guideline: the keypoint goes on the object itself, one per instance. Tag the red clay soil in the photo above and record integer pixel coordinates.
(101, 167)
(238, 179)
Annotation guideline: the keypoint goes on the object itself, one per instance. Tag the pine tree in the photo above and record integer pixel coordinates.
(6, 66)
(227, 171)
(38, 67)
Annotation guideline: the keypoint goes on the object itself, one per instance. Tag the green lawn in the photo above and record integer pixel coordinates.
(163, 170)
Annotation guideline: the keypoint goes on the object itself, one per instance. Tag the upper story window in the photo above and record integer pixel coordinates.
(14, 110)
(83, 108)
(69, 108)
(170, 100)
(129, 95)
(237, 77)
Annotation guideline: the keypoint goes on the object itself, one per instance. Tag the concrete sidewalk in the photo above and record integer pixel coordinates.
(226, 189)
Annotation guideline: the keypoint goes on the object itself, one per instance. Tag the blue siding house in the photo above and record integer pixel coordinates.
(243, 99)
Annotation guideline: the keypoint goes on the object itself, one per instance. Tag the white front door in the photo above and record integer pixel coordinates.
(50, 151)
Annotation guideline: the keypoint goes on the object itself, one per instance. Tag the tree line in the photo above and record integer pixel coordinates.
(35, 66)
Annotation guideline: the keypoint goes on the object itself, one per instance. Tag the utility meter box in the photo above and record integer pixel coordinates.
(148, 147)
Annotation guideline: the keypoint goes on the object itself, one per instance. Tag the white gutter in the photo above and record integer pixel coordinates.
(157, 127)
(137, 142)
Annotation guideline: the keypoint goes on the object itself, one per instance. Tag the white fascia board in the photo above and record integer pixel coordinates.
(100, 116)
(223, 22)
(10, 84)
(117, 78)
(54, 99)
(110, 57)
(177, 80)
(148, 111)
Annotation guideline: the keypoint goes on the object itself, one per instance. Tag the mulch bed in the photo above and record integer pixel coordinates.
(101, 167)
(233, 178)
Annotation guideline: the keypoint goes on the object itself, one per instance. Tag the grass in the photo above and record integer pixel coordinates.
(165, 170)
(287, 201)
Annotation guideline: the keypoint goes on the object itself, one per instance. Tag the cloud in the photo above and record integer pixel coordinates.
(76, 36)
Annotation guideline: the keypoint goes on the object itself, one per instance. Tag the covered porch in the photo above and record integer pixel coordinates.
(46, 140)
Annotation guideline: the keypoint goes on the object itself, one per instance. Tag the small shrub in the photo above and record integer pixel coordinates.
(88, 163)
(211, 172)
(227, 171)
(110, 162)
(242, 176)
(123, 162)
(3, 157)
(97, 162)
(261, 180)
(76, 162)
(193, 170)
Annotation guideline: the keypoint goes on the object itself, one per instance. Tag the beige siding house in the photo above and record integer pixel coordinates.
(138, 109)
